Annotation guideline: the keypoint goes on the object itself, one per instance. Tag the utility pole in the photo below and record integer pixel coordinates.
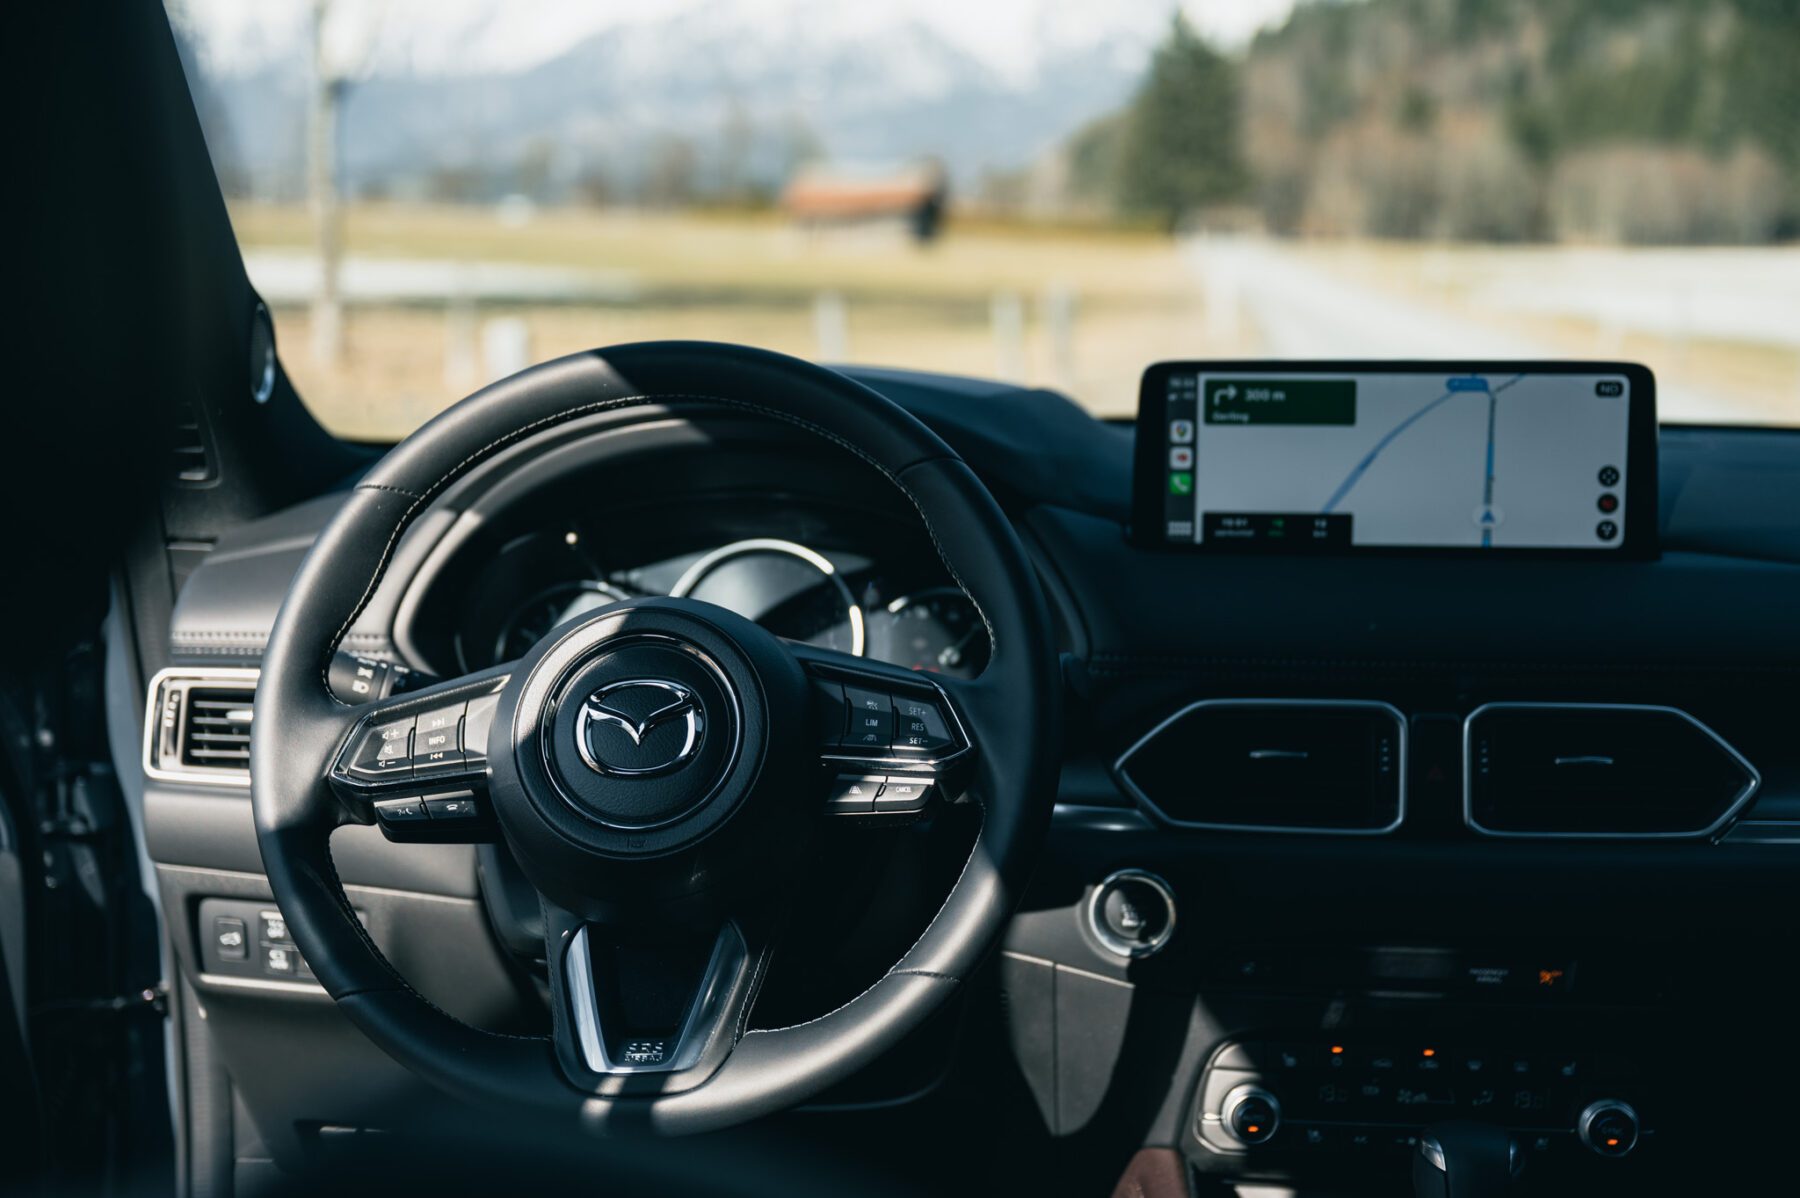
(329, 85)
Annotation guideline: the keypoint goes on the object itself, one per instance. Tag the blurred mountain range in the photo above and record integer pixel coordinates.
(710, 99)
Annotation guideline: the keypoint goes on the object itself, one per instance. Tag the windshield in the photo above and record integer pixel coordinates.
(431, 194)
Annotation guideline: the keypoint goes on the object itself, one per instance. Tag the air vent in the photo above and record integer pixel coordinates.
(1274, 765)
(197, 728)
(192, 446)
(1599, 770)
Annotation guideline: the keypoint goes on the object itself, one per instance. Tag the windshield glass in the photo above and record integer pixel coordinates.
(431, 194)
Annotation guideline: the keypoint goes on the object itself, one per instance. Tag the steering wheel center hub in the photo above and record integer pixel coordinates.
(641, 734)
(644, 755)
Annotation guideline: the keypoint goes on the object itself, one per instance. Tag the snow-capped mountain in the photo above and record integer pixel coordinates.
(744, 85)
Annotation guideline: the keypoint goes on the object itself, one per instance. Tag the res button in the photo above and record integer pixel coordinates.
(919, 727)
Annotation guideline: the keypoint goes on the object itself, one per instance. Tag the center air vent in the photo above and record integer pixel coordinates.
(1274, 765)
(1599, 770)
(197, 728)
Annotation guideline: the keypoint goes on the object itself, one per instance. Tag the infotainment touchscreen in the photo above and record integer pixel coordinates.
(1455, 456)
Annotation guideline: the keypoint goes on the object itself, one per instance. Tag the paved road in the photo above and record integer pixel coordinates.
(291, 277)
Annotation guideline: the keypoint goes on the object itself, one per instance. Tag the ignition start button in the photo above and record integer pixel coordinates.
(1132, 913)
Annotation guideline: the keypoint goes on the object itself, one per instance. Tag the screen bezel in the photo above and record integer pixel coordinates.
(1639, 543)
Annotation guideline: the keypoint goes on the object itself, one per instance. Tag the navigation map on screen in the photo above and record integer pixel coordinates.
(1310, 460)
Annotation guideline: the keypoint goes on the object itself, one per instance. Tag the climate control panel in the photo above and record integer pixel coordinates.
(1284, 1099)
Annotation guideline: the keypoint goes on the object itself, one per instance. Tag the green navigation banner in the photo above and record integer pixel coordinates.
(1280, 401)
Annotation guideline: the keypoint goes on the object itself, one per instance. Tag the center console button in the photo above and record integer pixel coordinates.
(1251, 1115)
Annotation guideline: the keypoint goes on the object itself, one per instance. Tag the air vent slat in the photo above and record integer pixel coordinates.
(1599, 770)
(199, 727)
(1274, 765)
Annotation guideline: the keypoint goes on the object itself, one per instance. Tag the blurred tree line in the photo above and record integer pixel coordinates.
(1499, 120)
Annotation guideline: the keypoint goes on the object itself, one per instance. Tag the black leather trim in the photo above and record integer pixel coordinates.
(1012, 711)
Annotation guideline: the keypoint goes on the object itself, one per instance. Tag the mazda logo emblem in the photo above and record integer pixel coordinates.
(639, 726)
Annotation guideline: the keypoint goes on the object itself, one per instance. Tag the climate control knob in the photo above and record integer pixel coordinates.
(1609, 1127)
(1250, 1114)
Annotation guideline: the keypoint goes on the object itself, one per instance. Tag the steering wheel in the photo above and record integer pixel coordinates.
(659, 768)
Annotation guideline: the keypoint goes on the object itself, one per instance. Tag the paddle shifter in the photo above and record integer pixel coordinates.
(1464, 1159)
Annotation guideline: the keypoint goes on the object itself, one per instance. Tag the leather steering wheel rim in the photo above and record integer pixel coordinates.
(1012, 712)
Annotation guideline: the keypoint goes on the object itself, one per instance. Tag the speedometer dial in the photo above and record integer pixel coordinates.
(937, 631)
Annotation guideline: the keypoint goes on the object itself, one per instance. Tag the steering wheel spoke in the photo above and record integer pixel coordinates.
(890, 740)
(632, 1004)
(416, 765)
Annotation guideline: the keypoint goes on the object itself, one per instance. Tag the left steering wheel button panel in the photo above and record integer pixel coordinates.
(384, 752)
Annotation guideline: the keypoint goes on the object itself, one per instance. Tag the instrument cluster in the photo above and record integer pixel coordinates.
(845, 598)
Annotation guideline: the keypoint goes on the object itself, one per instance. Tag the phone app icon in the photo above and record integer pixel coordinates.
(1181, 482)
(1181, 457)
(1181, 432)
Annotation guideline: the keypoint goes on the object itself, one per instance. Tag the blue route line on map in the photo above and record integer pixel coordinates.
(1387, 439)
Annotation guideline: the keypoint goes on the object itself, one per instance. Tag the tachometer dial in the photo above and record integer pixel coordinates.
(527, 623)
(936, 630)
(791, 590)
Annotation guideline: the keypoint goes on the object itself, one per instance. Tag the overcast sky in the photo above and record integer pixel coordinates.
(453, 36)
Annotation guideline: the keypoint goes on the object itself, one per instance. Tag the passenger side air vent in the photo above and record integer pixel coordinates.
(1599, 770)
(1274, 765)
(197, 728)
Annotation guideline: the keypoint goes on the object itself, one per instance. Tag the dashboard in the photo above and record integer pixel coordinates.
(1289, 947)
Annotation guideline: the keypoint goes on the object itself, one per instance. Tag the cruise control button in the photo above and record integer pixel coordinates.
(385, 751)
(871, 719)
(452, 807)
(919, 727)
(903, 794)
(476, 723)
(400, 811)
(854, 794)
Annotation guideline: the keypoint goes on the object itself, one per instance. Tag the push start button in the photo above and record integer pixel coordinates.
(1132, 913)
